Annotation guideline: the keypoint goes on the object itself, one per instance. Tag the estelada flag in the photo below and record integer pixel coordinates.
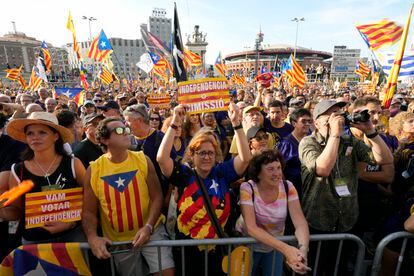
(45, 259)
(72, 93)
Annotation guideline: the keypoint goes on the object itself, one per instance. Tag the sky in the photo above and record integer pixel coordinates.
(231, 26)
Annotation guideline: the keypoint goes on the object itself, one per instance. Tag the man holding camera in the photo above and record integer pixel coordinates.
(329, 169)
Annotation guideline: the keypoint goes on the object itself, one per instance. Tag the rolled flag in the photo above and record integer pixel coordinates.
(145, 63)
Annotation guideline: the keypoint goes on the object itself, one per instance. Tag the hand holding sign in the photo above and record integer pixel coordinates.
(10, 196)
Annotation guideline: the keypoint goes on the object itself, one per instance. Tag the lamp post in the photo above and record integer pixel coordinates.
(90, 18)
(297, 20)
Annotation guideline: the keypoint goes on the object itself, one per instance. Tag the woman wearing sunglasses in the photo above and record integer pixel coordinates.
(202, 166)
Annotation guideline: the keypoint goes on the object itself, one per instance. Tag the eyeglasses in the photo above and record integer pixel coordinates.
(306, 122)
(122, 130)
(204, 154)
(261, 137)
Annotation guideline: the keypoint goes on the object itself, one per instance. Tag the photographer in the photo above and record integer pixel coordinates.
(329, 175)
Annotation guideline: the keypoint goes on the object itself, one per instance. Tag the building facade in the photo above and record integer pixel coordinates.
(160, 25)
(17, 49)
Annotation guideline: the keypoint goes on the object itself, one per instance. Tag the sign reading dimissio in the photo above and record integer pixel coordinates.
(58, 205)
(204, 95)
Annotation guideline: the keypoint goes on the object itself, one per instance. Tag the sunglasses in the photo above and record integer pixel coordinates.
(97, 101)
(154, 119)
(122, 130)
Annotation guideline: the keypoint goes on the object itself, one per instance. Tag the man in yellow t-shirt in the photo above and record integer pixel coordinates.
(123, 188)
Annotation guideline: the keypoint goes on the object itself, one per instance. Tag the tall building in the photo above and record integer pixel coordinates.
(344, 63)
(18, 49)
(197, 44)
(160, 26)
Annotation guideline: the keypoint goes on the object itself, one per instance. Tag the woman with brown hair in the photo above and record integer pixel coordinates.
(202, 174)
(191, 124)
(50, 168)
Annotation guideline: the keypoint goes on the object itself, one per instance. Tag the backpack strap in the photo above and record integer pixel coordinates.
(251, 187)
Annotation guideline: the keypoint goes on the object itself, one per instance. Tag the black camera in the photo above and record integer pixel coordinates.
(358, 117)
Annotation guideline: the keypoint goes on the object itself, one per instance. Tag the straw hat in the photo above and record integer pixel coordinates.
(15, 128)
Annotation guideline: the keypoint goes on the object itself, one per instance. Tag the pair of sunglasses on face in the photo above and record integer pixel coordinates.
(121, 130)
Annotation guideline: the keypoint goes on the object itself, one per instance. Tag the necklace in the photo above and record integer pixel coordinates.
(46, 172)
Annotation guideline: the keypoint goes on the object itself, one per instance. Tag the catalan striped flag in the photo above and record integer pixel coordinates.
(362, 69)
(35, 81)
(45, 54)
(71, 27)
(100, 49)
(220, 66)
(105, 76)
(407, 64)
(191, 59)
(45, 259)
(395, 70)
(295, 73)
(22, 82)
(380, 34)
(13, 73)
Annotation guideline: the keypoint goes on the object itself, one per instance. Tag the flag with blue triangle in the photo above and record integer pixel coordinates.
(119, 181)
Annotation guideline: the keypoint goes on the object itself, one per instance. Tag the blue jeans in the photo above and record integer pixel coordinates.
(264, 262)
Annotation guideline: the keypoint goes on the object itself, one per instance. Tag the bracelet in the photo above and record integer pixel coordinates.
(372, 135)
(173, 126)
(238, 127)
(150, 227)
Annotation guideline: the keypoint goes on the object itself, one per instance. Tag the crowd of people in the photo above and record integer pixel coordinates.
(280, 161)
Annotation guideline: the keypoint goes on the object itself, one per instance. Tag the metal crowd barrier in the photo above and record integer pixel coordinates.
(229, 242)
(376, 264)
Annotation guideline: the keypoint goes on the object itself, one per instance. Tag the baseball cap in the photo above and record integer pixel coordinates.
(109, 105)
(324, 106)
(250, 108)
(251, 132)
(89, 102)
(139, 108)
(122, 95)
(90, 117)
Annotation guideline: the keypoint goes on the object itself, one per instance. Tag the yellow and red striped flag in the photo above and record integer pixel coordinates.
(22, 82)
(105, 76)
(35, 81)
(295, 73)
(101, 48)
(70, 26)
(13, 73)
(191, 59)
(220, 66)
(362, 69)
(395, 70)
(45, 54)
(379, 34)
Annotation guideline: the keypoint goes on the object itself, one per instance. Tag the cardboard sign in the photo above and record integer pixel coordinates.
(204, 95)
(57, 205)
(160, 100)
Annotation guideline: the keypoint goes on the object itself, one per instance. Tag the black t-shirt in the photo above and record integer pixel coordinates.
(10, 150)
(87, 151)
(62, 176)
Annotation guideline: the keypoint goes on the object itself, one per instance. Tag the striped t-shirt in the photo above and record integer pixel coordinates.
(269, 216)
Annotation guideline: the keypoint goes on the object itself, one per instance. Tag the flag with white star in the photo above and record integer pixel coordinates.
(119, 181)
(100, 49)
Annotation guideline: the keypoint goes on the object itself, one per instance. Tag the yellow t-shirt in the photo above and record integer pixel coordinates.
(122, 192)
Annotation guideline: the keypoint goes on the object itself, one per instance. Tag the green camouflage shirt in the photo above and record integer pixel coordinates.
(324, 209)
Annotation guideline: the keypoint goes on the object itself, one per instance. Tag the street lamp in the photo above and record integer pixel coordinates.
(297, 20)
(89, 19)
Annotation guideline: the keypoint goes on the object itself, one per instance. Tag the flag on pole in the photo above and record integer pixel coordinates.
(71, 27)
(395, 70)
(41, 68)
(220, 66)
(82, 73)
(407, 64)
(13, 73)
(191, 59)
(100, 49)
(380, 34)
(35, 81)
(145, 63)
(105, 75)
(295, 73)
(154, 44)
(362, 69)
(22, 82)
(178, 50)
(45, 54)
